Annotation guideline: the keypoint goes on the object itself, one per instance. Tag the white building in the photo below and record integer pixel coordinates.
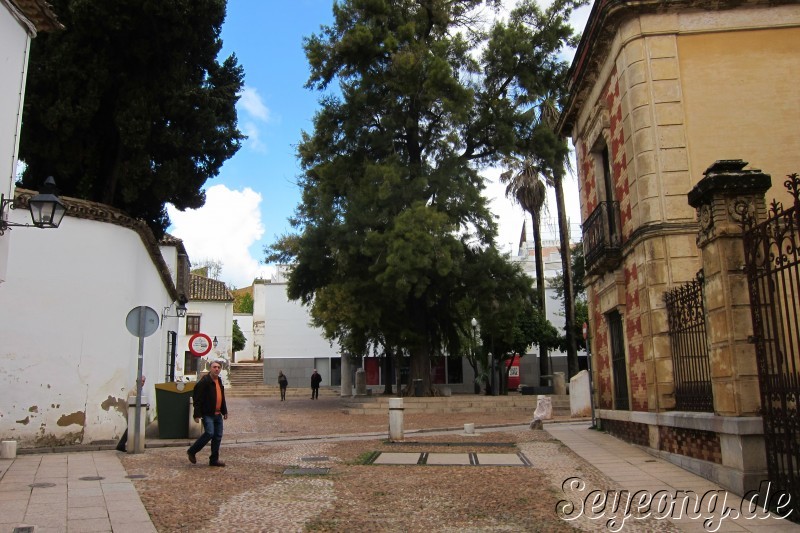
(20, 20)
(68, 358)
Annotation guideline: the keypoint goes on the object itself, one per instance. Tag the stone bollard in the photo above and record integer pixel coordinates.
(469, 429)
(559, 384)
(544, 411)
(8, 449)
(395, 419)
(361, 382)
(195, 428)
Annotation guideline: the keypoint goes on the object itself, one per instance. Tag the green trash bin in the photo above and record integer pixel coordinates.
(172, 409)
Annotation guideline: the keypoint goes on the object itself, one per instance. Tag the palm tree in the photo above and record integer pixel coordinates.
(524, 186)
(548, 118)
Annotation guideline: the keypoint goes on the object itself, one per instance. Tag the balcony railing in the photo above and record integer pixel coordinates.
(601, 238)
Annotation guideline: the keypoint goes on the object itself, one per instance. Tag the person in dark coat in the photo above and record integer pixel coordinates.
(283, 383)
(209, 404)
(316, 379)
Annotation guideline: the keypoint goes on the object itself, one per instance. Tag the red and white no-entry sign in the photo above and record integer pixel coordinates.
(585, 330)
(199, 344)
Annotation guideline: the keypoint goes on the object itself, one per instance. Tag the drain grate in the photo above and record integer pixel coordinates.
(316, 458)
(23, 529)
(91, 478)
(305, 471)
(41, 485)
(136, 476)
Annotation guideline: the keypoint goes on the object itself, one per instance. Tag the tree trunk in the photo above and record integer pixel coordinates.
(388, 372)
(536, 216)
(566, 265)
(420, 369)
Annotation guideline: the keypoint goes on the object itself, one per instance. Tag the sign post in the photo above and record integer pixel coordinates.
(141, 322)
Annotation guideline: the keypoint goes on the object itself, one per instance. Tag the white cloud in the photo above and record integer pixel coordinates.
(252, 103)
(223, 229)
(253, 136)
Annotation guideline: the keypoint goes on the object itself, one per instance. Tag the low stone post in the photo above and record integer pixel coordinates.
(8, 449)
(361, 382)
(395, 419)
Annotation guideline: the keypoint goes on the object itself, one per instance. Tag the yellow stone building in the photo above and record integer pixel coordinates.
(660, 91)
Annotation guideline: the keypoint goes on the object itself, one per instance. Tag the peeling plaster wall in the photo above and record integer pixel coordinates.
(68, 359)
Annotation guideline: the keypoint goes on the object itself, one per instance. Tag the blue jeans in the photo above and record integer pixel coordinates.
(212, 424)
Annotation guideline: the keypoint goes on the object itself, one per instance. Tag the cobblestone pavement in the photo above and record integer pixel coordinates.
(264, 437)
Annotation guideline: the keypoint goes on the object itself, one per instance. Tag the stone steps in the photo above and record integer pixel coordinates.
(266, 391)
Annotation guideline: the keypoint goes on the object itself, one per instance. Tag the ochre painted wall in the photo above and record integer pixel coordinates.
(741, 94)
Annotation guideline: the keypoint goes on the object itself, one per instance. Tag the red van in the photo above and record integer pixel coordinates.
(513, 372)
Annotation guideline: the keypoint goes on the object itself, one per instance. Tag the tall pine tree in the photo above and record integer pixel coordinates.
(129, 105)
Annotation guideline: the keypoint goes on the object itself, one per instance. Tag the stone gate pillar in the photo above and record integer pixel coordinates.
(722, 199)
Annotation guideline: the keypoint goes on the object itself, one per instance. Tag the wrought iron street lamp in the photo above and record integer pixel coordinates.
(46, 208)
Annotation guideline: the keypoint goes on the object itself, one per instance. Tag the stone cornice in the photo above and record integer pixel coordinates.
(35, 15)
(604, 21)
(86, 210)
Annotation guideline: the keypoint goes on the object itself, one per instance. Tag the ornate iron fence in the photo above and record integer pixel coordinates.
(772, 261)
(689, 343)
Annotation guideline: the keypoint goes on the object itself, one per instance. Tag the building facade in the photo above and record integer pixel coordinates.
(660, 91)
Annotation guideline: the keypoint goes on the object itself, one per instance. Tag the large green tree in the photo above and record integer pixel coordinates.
(394, 239)
(528, 44)
(129, 105)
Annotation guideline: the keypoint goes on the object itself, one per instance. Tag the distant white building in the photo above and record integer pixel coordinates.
(526, 258)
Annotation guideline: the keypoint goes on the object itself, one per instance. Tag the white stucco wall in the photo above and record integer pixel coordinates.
(288, 333)
(68, 359)
(247, 353)
(14, 45)
(216, 320)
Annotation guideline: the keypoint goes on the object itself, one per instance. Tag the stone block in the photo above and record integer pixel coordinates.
(681, 246)
(659, 23)
(664, 371)
(636, 73)
(676, 208)
(579, 396)
(662, 348)
(654, 437)
(634, 50)
(743, 322)
(676, 184)
(645, 162)
(638, 97)
(671, 136)
(661, 46)
(749, 396)
(654, 249)
(641, 118)
(669, 113)
(544, 408)
(744, 355)
(717, 326)
(664, 69)
(739, 290)
(666, 91)
(650, 210)
(720, 362)
(711, 262)
(647, 186)
(724, 398)
(673, 159)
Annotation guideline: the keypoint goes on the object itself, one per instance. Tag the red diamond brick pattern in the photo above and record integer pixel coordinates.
(628, 431)
(589, 189)
(691, 443)
(637, 375)
(619, 160)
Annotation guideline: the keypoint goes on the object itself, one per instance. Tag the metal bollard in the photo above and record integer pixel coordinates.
(395, 419)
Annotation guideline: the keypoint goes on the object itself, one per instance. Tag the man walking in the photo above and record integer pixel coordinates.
(316, 379)
(209, 404)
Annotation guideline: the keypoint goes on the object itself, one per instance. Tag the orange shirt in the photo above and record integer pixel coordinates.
(218, 407)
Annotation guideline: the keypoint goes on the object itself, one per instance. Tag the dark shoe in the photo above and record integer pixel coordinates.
(218, 463)
(192, 458)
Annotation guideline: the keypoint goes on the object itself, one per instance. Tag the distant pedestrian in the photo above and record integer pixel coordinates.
(283, 382)
(316, 379)
(209, 404)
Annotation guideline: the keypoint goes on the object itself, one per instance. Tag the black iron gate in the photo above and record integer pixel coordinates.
(689, 343)
(772, 261)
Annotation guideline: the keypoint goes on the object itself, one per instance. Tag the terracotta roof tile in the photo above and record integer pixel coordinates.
(39, 13)
(207, 289)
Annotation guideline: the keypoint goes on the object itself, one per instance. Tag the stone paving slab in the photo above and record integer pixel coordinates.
(500, 459)
(448, 459)
(397, 459)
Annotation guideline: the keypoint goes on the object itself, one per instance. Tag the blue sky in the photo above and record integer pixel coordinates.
(248, 204)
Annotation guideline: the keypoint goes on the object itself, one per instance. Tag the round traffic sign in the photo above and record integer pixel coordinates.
(199, 344)
(142, 321)
(585, 330)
